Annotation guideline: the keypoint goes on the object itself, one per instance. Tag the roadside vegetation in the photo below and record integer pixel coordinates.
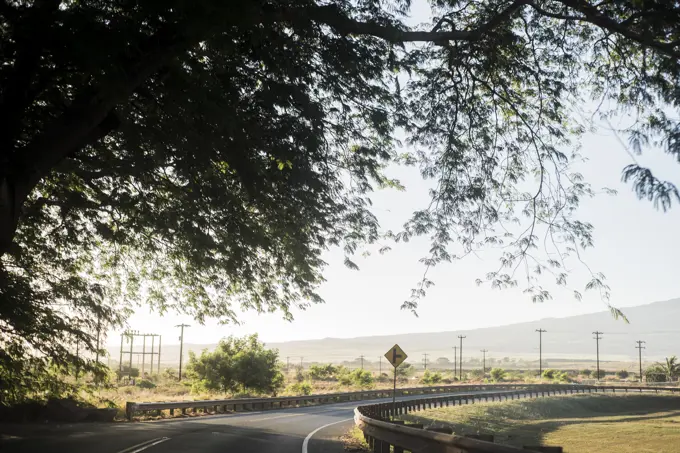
(595, 422)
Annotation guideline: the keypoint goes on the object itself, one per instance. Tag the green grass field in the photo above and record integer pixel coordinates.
(579, 423)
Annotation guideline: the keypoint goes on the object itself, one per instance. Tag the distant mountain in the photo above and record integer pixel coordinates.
(658, 324)
(566, 338)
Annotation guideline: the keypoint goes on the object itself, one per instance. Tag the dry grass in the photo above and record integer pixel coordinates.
(354, 441)
(579, 423)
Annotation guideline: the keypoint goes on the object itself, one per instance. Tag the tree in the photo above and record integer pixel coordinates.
(405, 370)
(196, 155)
(497, 374)
(622, 374)
(237, 365)
(586, 372)
(671, 368)
(443, 362)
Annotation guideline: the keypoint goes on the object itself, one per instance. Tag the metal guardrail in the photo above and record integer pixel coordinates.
(246, 404)
(384, 435)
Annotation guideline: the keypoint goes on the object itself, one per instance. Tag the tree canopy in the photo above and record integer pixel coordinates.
(200, 156)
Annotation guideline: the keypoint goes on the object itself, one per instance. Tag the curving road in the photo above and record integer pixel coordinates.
(299, 430)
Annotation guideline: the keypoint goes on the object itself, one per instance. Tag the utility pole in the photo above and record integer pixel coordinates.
(540, 351)
(362, 362)
(380, 365)
(287, 364)
(181, 348)
(455, 360)
(425, 361)
(597, 341)
(484, 351)
(460, 376)
(639, 347)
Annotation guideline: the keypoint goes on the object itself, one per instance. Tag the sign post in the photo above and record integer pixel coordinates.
(395, 356)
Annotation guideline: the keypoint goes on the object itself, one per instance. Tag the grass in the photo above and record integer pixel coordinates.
(579, 423)
(354, 441)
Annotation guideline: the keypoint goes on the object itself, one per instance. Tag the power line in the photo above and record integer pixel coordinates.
(540, 351)
(362, 362)
(597, 342)
(460, 375)
(425, 360)
(484, 351)
(181, 348)
(639, 347)
(380, 365)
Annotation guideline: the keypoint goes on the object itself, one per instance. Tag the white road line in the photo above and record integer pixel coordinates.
(309, 436)
(144, 445)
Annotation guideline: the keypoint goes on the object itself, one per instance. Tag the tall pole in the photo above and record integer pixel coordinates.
(425, 361)
(379, 365)
(540, 351)
(132, 340)
(143, 357)
(460, 376)
(159, 354)
(120, 361)
(99, 329)
(77, 359)
(639, 347)
(484, 351)
(597, 342)
(153, 340)
(455, 360)
(394, 393)
(362, 362)
(181, 347)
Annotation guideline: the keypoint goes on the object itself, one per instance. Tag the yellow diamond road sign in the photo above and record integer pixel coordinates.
(395, 355)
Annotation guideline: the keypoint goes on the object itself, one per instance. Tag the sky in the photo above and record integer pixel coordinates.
(636, 247)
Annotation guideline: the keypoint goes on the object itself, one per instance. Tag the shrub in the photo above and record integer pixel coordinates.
(361, 378)
(322, 372)
(146, 384)
(301, 388)
(170, 373)
(476, 374)
(497, 374)
(237, 365)
(549, 373)
(430, 378)
(655, 373)
(586, 372)
(623, 374)
(601, 375)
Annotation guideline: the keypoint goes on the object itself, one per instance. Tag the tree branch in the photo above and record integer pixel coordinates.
(594, 16)
(335, 18)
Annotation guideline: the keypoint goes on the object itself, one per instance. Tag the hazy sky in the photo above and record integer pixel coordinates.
(636, 247)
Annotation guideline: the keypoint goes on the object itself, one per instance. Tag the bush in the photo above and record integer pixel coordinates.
(586, 372)
(549, 373)
(146, 384)
(497, 374)
(602, 374)
(322, 372)
(430, 378)
(361, 378)
(301, 388)
(237, 365)
(623, 374)
(655, 373)
(170, 374)
(476, 374)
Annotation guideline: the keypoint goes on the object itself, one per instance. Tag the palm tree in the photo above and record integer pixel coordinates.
(671, 368)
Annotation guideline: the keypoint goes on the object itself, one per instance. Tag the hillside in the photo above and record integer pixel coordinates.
(566, 338)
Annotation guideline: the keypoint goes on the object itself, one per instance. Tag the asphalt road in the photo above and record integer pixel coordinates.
(299, 430)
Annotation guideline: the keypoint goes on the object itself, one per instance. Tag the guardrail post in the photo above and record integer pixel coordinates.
(129, 412)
